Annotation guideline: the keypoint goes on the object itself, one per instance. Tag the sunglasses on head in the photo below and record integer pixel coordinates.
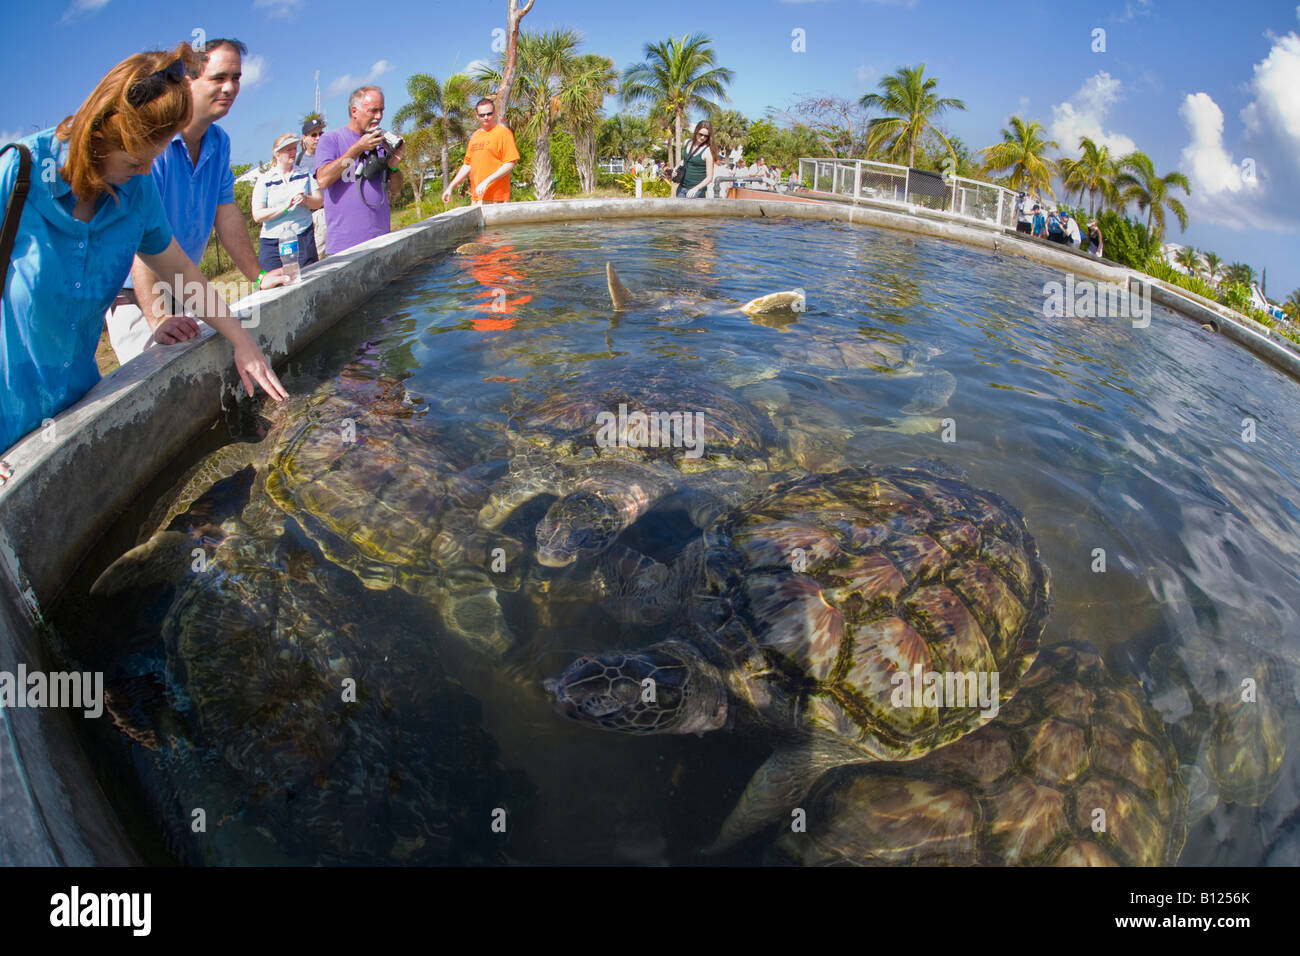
(155, 84)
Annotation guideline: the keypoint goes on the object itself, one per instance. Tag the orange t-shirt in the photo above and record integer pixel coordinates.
(486, 153)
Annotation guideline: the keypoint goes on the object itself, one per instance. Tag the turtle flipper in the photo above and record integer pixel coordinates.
(508, 495)
(635, 588)
(775, 791)
(198, 481)
(164, 559)
(619, 296)
(792, 300)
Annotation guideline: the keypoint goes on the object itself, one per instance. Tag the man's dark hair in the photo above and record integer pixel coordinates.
(489, 101)
(206, 50)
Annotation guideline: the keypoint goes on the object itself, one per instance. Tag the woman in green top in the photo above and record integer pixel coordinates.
(700, 156)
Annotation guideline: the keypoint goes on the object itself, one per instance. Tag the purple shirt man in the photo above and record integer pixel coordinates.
(356, 208)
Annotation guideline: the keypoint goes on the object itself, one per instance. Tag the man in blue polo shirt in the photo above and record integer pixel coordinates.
(198, 191)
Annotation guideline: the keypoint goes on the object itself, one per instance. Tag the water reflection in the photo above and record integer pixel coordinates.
(1166, 532)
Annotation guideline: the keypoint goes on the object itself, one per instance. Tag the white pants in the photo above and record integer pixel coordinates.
(128, 332)
(318, 230)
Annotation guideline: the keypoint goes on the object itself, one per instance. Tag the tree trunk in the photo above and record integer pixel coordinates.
(584, 150)
(542, 163)
(677, 138)
(446, 163)
(513, 16)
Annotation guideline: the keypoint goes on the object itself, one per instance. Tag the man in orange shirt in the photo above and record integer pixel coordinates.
(490, 156)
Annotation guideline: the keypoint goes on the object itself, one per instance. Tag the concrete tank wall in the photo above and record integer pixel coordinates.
(71, 481)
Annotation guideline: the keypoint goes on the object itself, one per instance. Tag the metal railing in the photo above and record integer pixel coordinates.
(864, 180)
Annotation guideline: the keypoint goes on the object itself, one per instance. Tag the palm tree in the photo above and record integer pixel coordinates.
(544, 91)
(1240, 273)
(1138, 183)
(441, 108)
(592, 77)
(1093, 172)
(677, 76)
(627, 135)
(1188, 258)
(1213, 267)
(729, 128)
(1292, 306)
(910, 98)
(1021, 151)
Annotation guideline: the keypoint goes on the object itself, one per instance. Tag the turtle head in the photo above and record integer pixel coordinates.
(579, 525)
(665, 689)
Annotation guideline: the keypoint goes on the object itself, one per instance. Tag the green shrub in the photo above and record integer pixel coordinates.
(650, 188)
(1235, 295)
(1127, 242)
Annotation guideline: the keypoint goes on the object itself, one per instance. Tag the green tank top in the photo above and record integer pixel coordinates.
(696, 169)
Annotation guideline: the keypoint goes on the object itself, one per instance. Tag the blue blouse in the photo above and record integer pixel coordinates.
(63, 277)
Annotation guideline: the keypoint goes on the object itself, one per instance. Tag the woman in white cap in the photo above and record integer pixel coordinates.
(283, 200)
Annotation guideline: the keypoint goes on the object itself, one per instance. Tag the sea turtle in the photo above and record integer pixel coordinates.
(824, 611)
(1226, 709)
(613, 444)
(290, 709)
(1076, 771)
(384, 494)
(622, 299)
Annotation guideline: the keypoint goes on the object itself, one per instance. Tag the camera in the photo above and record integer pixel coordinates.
(372, 164)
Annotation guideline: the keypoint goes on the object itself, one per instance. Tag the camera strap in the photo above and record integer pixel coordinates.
(383, 178)
(14, 208)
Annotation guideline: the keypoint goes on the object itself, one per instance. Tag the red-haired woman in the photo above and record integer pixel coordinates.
(92, 206)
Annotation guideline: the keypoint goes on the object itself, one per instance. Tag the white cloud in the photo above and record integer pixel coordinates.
(1084, 114)
(1131, 10)
(11, 136)
(81, 8)
(473, 66)
(1023, 103)
(254, 68)
(1249, 192)
(277, 8)
(347, 82)
(1206, 163)
(866, 75)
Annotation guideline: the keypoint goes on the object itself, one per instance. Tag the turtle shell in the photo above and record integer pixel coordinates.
(866, 604)
(384, 495)
(1076, 771)
(259, 646)
(569, 420)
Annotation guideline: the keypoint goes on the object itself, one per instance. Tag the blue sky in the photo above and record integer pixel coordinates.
(1211, 89)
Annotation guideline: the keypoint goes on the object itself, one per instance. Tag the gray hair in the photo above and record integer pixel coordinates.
(359, 94)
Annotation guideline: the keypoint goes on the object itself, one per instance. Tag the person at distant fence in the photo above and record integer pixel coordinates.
(1024, 214)
(358, 174)
(1072, 235)
(284, 198)
(313, 127)
(697, 163)
(1094, 239)
(1040, 222)
(489, 158)
(92, 206)
(1056, 227)
(198, 191)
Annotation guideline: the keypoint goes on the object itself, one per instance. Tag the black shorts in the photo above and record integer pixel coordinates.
(268, 251)
(1025, 227)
